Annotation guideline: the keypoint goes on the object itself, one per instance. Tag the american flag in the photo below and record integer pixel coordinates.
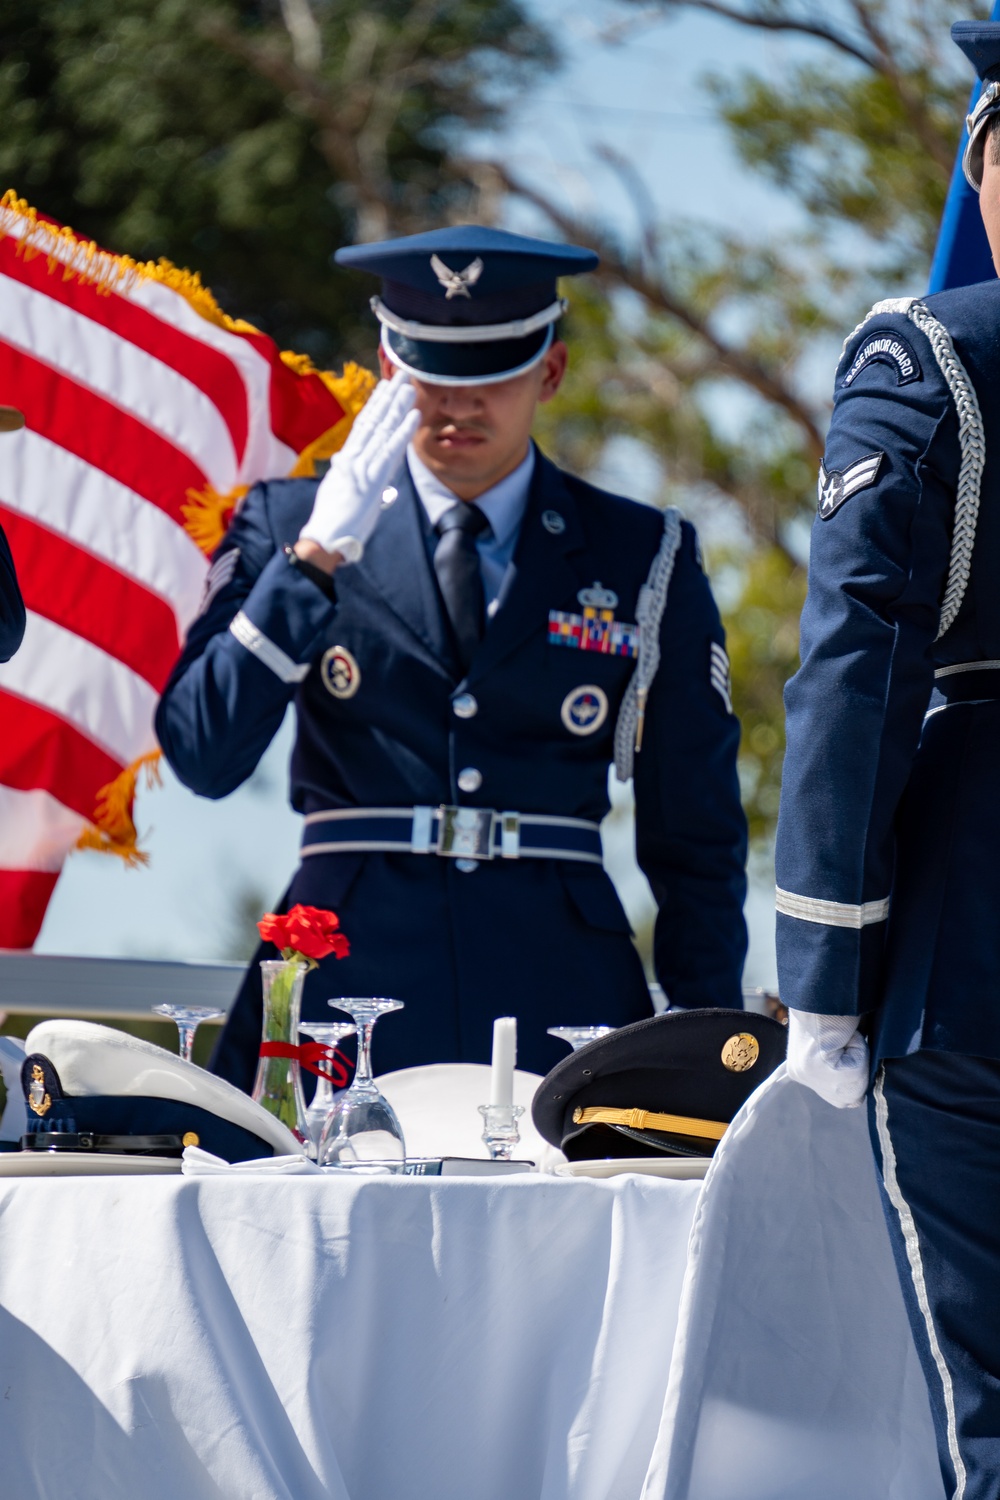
(148, 414)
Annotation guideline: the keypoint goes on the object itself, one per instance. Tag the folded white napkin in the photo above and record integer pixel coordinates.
(198, 1163)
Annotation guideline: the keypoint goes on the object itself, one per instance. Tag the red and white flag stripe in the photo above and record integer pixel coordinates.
(147, 413)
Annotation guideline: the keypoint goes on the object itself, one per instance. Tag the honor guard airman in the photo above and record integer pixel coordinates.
(887, 857)
(12, 616)
(471, 637)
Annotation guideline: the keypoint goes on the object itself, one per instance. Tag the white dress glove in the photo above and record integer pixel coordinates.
(828, 1056)
(349, 499)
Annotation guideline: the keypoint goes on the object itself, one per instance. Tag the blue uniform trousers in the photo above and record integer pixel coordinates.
(935, 1125)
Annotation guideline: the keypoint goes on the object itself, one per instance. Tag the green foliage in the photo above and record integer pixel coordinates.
(191, 129)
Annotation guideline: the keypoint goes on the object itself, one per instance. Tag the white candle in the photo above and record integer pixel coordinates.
(504, 1057)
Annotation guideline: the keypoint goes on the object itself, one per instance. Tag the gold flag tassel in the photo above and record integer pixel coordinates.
(113, 830)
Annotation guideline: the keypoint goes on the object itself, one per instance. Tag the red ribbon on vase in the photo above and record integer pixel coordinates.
(309, 1056)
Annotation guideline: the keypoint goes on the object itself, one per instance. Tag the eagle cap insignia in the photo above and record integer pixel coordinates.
(740, 1052)
(457, 283)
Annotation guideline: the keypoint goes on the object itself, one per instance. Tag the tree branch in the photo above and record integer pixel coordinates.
(767, 21)
(617, 267)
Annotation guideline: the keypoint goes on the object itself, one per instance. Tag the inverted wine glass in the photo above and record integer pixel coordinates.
(579, 1036)
(187, 1019)
(328, 1034)
(361, 1128)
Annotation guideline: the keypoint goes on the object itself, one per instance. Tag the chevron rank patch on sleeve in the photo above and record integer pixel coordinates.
(219, 575)
(718, 674)
(838, 485)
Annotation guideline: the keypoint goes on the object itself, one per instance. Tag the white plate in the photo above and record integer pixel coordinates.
(680, 1168)
(82, 1164)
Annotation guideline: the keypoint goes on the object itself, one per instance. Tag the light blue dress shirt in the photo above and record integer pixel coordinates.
(503, 506)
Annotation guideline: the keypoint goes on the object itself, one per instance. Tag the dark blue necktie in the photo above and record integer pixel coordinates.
(456, 563)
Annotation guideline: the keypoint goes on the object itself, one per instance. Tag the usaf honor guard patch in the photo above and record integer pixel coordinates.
(838, 485)
(584, 709)
(886, 349)
(340, 672)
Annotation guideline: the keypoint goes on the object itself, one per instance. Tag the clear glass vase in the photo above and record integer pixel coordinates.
(278, 1085)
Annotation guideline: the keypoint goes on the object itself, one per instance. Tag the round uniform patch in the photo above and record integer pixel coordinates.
(340, 672)
(740, 1052)
(585, 709)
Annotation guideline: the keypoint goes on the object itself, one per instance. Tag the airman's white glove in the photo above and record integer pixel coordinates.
(828, 1056)
(349, 498)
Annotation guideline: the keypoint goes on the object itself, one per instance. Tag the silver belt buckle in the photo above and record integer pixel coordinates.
(466, 832)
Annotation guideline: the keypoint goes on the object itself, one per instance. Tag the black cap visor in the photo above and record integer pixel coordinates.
(465, 363)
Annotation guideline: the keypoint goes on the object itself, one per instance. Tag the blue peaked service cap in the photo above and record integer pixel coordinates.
(980, 41)
(467, 305)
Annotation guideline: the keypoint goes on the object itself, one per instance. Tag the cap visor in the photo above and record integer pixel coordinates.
(466, 364)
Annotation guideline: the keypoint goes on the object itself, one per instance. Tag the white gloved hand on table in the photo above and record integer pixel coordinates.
(827, 1055)
(349, 499)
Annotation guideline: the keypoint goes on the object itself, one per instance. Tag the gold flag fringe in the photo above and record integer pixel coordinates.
(207, 515)
(113, 830)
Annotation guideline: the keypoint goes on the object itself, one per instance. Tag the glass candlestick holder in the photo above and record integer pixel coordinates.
(500, 1132)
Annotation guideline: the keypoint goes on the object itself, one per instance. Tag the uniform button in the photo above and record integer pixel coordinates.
(470, 780)
(466, 866)
(389, 494)
(465, 706)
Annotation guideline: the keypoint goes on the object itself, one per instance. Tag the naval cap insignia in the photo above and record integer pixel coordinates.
(340, 672)
(584, 709)
(40, 1083)
(597, 597)
(457, 283)
(740, 1052)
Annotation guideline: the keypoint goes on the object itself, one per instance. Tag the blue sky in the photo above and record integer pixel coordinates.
(640, 96)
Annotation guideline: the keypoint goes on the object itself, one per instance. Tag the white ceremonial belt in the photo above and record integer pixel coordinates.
(477, 833)
(831, 913)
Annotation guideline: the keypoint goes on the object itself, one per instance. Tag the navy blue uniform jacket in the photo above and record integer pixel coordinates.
(543, 939)
(889, 831)
(11, 604)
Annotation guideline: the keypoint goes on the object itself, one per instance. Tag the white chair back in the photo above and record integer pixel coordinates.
(437, 1107)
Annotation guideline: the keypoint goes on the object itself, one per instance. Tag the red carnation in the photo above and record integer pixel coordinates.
(305, 932)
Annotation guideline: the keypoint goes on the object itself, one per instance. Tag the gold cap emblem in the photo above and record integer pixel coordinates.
(39, 1100)
(189, 1138)
(740, 1052)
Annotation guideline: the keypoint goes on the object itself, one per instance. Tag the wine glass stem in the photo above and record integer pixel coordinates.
(186, 1030)
(363, 1070)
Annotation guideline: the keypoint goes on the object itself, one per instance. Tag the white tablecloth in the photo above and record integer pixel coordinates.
(331, 1339)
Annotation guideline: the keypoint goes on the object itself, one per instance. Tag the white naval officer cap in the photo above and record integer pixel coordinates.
(129, 1096)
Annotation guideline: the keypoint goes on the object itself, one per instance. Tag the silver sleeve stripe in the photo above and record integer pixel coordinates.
(831, 913)
(272, 656)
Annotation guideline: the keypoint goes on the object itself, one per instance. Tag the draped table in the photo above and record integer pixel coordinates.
(260, 1337)
(358, 1339)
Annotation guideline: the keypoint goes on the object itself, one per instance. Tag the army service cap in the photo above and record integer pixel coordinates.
(667, 1086)
(467, 305)
(92, 1088)
(980, 41)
